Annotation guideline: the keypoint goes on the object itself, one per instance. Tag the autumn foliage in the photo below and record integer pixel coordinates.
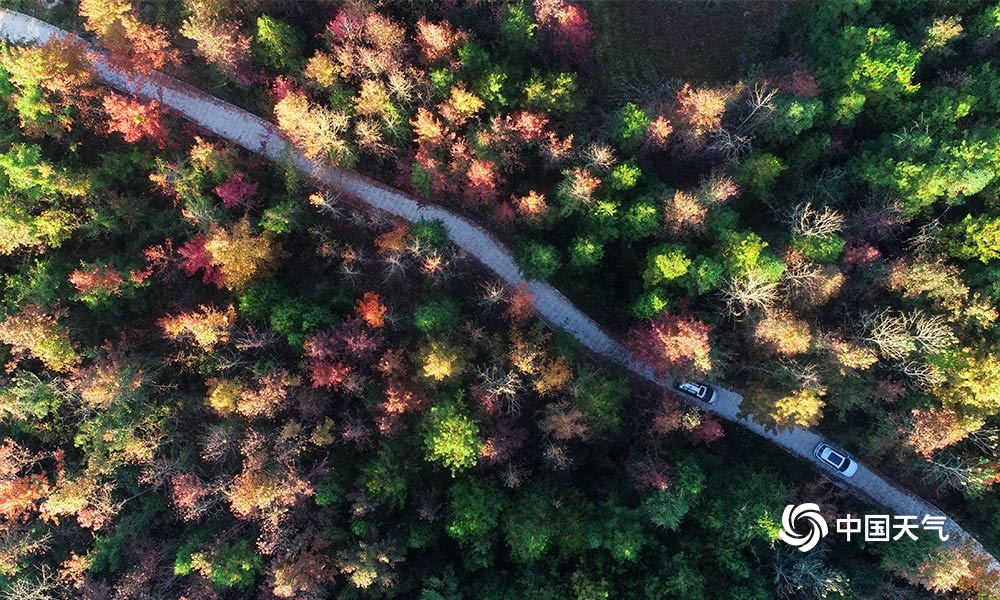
(135, 120)
(672, 344)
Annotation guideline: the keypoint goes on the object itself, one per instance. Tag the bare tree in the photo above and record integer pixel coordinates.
(505, 385)
(925, 242)
(931, 333)
(600, 157)
(802, 278)
(798, 575)
(879, 218)
(731, 145)
(760, 105)
(751, 291)
(921, 375)
(807, 220)
(888, 333)
(46, 586)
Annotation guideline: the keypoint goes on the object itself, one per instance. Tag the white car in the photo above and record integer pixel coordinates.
(701, 391)
(836, 459)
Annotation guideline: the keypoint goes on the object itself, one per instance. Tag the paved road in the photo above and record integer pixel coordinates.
(262, 137)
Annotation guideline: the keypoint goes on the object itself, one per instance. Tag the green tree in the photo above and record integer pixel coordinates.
(538, 260)
(868, 65)
(665, 263)
(792, 116)
(528, 527)
(277, 44)
(823, 250)
(586, 251)
(981, 238)
(666, 508)
(629, 125)
(436, 316)
(473, 511)
(603, 400)
(641, 219)
(451, 438)
(625, 176)
(554, 93)
(758, 174)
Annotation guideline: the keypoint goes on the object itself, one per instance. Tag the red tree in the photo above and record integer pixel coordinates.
(105, 279)
(672, 344)
(135, 120)
(371, 310)
(196, 257)
(566, 28)
(235, 192)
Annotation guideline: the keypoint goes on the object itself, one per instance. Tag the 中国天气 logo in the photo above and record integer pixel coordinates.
(794, 522)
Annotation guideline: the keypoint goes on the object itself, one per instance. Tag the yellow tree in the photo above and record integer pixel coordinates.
(803, 408)
(34, 331)
(241, 255)
(972, 379)
(317, 131)
(208, 327)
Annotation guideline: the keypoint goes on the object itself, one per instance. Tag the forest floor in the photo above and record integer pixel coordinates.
(703, 41)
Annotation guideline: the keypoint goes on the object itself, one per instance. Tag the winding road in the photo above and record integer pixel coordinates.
(262, 137)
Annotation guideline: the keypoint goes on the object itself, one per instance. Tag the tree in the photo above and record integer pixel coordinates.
(135, 46)
(227, 564)
(50, 78)
(135, 120)
(208, 327)
(438, 42)
(629, 126)
(219, 41)
(934, 429)
(565, 27)
(672, 344)
(370, 565)
(235, 191)
(436, 316)
(194, 258)
(971, 381)
(451, 438)
(316, 130)
(803, 408)
(982, 238)
(699, 113)
(33, 193)
(35, 331)
(442, 360)
(528, 528)
(370, 309)
(667, 508)
(685, 213)
(781, 333)
(665, 263)
(474, 511)
(871, 64)
(538, 260)
(277, 43)
(240, 255)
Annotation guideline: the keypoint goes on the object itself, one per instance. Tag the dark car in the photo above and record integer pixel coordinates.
(701, 391)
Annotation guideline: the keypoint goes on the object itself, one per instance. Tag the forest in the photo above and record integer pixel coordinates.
(222, 380)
